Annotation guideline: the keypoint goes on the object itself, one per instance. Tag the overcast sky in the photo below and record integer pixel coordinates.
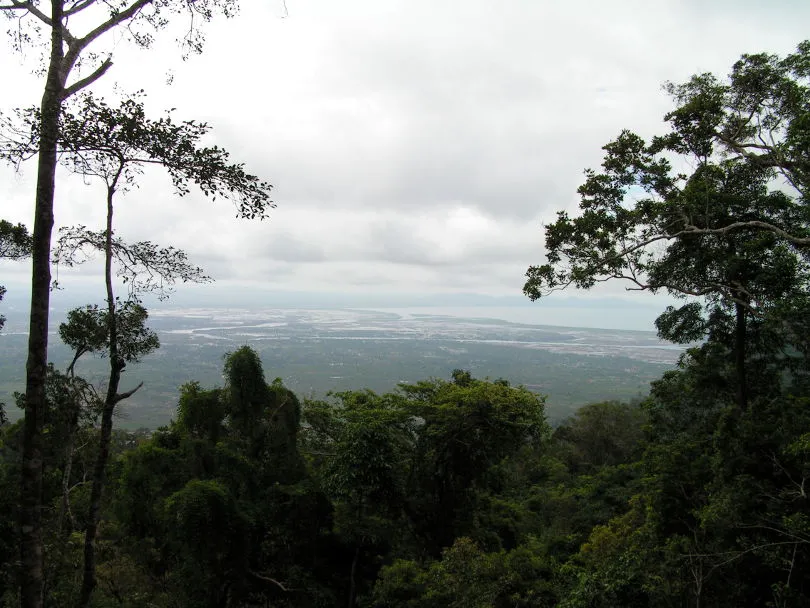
(415, 146)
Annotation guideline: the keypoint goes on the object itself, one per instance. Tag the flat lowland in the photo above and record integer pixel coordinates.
(317, 350)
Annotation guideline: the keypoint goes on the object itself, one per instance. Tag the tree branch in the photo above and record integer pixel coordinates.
(79, 7)
(31, 8)
(118, 18)
(88, 80)
(126, 395)
(757, 224)
(272, 581)
(769, 158)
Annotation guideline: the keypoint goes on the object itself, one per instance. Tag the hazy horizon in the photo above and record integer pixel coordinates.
(558, 310)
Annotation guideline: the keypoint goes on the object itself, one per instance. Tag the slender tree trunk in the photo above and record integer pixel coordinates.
(71, 440)
(105, 434)
(31, 551)
(65, 509)
(740, 340)
(352, 578)
(89, 576)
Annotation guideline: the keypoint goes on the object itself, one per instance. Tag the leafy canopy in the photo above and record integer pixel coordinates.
(733, 232)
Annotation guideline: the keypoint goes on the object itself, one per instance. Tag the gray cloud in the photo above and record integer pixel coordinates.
(414, 145)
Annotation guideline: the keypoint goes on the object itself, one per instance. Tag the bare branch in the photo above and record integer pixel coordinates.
(800, 490)
(88, 80)
(738, 554)
(270, 580)
(79, 7)
(117, 19)
(751, 224)
(769, 157)
(31, 8)
(144, 266)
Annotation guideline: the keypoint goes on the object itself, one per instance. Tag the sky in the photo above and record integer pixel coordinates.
(415, 147)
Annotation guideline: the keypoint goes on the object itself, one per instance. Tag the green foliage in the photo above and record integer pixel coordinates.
(362, 468)
(411, 471)
(613, 566)
(201, 413)
(601, 434)
(276, 442)
(87, 331)
(200, 516)
(620, 506)
(247, 390)
(709, 522)
(148, 475)
(467, 430)
(134, 339)
(729, 233)
(15, 244)
(206, 531)
(230, 489)
(96, 138)
(9, 503)
(143, 266)
(467, 577)
(457, 493)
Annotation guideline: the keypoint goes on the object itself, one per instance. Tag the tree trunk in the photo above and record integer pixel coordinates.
(740, 339)
(65, 508)
(31, 552)
(89, 576)
(105, 433)
(71, 440)
(352, 578)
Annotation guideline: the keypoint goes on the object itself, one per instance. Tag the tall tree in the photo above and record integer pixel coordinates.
(445, 437)
(114, 144)
(248, 393)
(173, 488)
(721, 515)
(732, 236)
(494, 419)
(69, 54)
(93, 331)
(365, 436)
